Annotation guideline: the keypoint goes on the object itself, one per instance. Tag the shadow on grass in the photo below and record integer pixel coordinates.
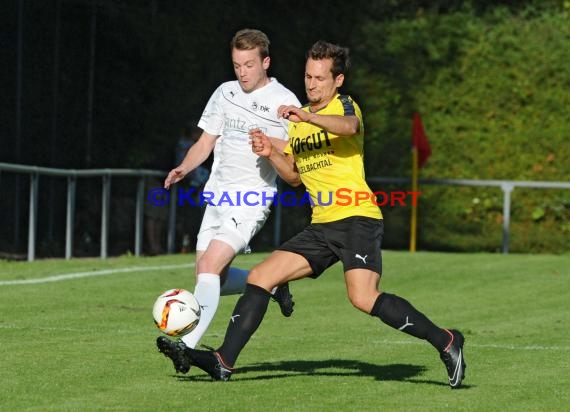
(332, 367)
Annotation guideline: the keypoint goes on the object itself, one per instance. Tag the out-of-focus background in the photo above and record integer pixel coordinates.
(90, 84)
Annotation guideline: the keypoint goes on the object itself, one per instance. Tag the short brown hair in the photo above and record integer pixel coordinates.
(339, 55)
(249, 39)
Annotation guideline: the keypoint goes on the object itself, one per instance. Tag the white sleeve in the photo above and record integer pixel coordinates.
(212, 120)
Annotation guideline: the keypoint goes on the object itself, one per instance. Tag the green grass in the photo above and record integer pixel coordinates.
(87, 344)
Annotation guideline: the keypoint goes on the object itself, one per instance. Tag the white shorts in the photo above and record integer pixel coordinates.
(234, 225)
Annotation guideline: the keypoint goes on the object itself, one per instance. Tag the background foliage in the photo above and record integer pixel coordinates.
(492, 90)
(490, 79)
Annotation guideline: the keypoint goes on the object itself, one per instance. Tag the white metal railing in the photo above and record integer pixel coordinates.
(105, 174)
(507, 186)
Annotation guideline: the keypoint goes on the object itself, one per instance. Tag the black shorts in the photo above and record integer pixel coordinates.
(356, 241)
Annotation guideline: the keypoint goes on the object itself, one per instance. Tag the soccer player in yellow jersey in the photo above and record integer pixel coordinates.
(325, 153)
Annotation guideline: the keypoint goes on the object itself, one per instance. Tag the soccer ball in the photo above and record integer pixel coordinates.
(176, 312)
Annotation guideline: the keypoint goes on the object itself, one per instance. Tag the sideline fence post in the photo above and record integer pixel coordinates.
(70, 216)
(278, 215)
(507, 189)
(105, 203)
(171, 236)
(33, 217)
(139, 216)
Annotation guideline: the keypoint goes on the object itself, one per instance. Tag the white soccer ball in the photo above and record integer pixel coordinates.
(176, 312)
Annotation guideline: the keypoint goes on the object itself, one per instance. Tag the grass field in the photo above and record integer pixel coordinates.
(78, 336)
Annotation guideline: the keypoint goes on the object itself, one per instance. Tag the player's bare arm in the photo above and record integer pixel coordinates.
(279, 144)
(195, 156)
(339, 125)
(284, 164)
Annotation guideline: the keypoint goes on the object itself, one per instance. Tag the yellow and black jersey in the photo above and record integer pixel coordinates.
(332, 166)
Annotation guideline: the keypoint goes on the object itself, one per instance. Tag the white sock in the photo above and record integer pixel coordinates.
(235, 281)
(207, 292)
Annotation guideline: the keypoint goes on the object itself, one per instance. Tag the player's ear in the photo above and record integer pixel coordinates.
(339, 80)
(266, 62)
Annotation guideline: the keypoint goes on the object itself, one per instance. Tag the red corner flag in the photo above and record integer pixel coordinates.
(420, 141)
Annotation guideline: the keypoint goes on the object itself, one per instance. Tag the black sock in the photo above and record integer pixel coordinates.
(246, 318)
(398, 313)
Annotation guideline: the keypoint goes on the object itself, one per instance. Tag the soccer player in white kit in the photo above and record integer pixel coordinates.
(229, 223)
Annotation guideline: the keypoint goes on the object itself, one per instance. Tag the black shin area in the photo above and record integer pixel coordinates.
(398, 313)
(246, 318)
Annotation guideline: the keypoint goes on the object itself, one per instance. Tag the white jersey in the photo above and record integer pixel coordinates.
(230, 114)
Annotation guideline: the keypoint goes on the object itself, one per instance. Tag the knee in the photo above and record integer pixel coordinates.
(254, 276)
(259, 276)
(362, 302)
(208, 264)
(202, 264)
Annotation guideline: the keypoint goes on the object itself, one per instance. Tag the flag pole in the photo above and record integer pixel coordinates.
(414, 216)
(420, 153)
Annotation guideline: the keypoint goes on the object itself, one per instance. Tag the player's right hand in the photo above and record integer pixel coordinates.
(291, 113)
(174, 176)
(260, 143)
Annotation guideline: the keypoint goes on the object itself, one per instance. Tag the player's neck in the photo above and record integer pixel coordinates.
(264, 82)
(316, 106)
(313, 108)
